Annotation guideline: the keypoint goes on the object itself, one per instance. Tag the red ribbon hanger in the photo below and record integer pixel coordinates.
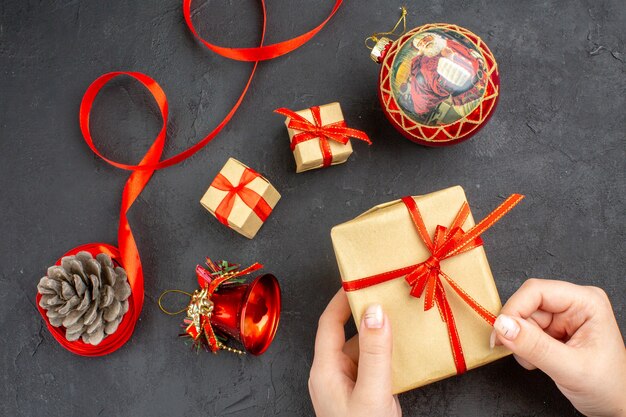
(128, 254)
(425, 278)
(338, 131)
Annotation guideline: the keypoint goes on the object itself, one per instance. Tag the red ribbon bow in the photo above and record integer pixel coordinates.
(425, 278)
(338, 131)
(206, 280)
(250, 197)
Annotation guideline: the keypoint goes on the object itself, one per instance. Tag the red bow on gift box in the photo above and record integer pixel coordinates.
(250, 197)
(425, 278)
(338, 131)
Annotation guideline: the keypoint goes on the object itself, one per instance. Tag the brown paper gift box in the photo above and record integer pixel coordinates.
(384, 239)
(308, 154)
(242, 218)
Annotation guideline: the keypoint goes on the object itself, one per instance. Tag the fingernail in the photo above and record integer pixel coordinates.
(373, 317)
(506, 327)
(492, 339)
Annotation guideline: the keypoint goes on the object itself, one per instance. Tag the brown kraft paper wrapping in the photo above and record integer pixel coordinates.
(308, 154)
(242, 218)
(384, 239)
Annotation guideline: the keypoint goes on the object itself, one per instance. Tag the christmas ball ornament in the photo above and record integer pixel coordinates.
(85, 295)
(438, 83)
(226, 309)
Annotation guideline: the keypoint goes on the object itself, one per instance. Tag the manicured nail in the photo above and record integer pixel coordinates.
(373, 317)
(506, 327)
(492, 339)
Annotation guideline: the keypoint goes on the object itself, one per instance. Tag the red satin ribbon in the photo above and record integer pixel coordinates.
(338, 131)
(264, 52)
(250, 197)
(242, 54)
(126, 326)
(128, 254)
(425, 277)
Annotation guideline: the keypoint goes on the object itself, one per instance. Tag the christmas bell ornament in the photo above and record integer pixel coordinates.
(225, 308)
(438, 83)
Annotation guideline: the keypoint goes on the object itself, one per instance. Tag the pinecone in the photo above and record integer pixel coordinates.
(87, 296)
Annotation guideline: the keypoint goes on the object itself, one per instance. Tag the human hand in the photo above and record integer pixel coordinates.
(569, 332)
(341, 385)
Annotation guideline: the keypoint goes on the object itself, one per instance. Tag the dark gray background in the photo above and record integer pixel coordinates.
(557, 136)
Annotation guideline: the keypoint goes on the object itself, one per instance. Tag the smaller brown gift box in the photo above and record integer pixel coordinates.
(385, 239)
(308, 154)
(240, 198)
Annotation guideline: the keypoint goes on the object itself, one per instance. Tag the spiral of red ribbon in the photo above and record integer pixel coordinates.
(128, 255)
(211, 284)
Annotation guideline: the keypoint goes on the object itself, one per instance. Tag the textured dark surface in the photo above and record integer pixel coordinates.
(557, 136)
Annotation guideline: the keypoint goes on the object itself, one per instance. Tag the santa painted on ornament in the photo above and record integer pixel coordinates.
(445, 80)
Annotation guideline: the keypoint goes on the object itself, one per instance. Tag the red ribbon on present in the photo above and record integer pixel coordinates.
(128, 255)
(338, 131)
(250, 197)
(425, 278)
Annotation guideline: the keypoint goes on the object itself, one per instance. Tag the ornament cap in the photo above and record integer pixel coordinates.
(380, 49)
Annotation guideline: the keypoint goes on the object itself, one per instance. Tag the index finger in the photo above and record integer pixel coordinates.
(330, 336)
(544, 295)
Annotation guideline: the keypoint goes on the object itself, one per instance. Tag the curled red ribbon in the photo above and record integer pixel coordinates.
(425, 278)
(338, 131)
(250, 197)
(261, 53)
(128, 255)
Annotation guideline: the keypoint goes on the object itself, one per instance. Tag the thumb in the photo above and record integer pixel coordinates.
(374, 373)
(531, 344)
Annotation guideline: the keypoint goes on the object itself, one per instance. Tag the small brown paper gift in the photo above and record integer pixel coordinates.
(240, 198)
(319, 136)
(386, 239)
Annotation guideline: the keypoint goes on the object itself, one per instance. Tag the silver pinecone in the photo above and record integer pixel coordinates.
(87, 296)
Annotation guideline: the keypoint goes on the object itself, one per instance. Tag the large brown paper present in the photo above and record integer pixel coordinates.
(385, 239)
(240, 198)
(308, 154)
